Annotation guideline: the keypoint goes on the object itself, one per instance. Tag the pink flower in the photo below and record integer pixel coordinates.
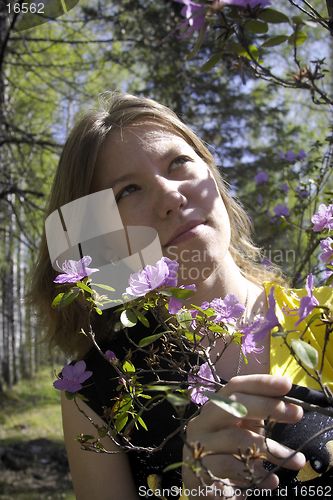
(292, 157)
(308, 302)
(202, 381)
(327, 250)
(301, 155)
(323, 219)
(72, 377)
(227, 310)
(249, 344)
(75, 270)
(164, 273)
(284, 187)
(110, 355)
(194, 14)
(260, 327)
(261, 178)
(271, 315)
(281, 210)
(302, 192)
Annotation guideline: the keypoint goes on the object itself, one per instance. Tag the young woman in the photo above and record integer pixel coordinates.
(164, 177)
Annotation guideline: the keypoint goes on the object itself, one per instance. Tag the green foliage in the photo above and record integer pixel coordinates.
(150, 339)
(306, 353)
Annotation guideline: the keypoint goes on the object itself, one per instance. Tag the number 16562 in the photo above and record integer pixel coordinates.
(25, 8)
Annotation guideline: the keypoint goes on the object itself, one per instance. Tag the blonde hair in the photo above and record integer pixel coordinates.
(73, 180)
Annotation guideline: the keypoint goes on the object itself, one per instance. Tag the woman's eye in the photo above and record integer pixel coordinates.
(126, 191)
(181, 160)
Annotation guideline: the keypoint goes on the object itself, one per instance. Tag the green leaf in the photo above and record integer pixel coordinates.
(173, 466)
(181, 293)
(184, 318)
(209, 312)
(149, 340)
(273, 16)
(250, 52)
(297, 38)
(255, 26)
(198, 43)
(142, 318)
(306, 353)
(298, 20)
(104, 287)
(120, 422)
(128, 318)
(329, 280)
(84, 287)
(162, 388)
(233, 407)
(98, 310)
(65, 298)
(217, 329)
(234, 47)
(212, 62)
(176, 400)
(57, 299)
(142, 423)
(275, 40)
(192, 337)
(122, 406)
(128, 367)
(167, 293)
(144, 396)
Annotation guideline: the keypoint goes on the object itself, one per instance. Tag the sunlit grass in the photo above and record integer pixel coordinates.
(31, 410)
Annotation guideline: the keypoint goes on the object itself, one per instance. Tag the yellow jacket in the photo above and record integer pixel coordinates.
(281, 360)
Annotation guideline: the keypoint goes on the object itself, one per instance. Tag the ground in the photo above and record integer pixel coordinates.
(33, 463)
(35, 469)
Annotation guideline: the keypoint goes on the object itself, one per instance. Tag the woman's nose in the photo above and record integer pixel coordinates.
(168, 199)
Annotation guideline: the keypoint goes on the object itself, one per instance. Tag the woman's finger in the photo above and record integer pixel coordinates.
(238, 441)
(213, 418)
(222, 466)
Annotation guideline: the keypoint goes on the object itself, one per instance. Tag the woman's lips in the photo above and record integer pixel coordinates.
(186, 234)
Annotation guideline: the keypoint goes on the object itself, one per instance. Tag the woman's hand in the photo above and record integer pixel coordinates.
(224, 435)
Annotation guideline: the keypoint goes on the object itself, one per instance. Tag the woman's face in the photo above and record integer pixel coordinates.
(159, 181)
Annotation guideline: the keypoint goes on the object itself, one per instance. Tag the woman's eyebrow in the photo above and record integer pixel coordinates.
(168, 154)
(122, 178)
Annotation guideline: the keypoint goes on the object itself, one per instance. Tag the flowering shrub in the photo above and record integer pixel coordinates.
(187, 335)
(192, 332)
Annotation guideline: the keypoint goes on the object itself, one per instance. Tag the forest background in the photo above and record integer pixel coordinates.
(269, 130)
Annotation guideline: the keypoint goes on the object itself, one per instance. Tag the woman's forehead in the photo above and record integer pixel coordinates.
(148, 135)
